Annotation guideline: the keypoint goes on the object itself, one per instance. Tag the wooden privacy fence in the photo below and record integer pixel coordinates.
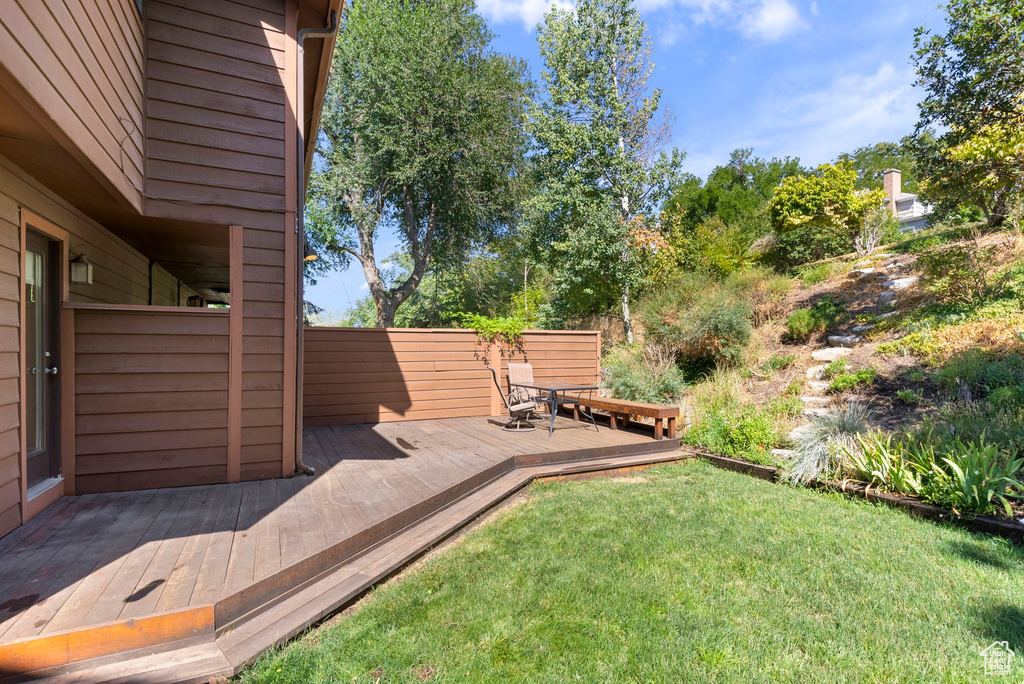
(375, 375)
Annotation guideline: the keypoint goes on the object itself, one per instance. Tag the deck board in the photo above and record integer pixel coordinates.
(122, 556)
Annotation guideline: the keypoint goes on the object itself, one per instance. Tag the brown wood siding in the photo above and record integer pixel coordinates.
(81, 60)
(357, 375)
(263, 329)
(10, 287)
(150, 398)
(215, 107)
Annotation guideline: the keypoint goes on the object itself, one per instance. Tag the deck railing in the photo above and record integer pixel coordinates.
(371, 375)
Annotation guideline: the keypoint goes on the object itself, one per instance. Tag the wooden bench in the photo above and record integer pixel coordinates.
(619, 411)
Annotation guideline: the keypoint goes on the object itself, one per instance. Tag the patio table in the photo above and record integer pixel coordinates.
(556, 395)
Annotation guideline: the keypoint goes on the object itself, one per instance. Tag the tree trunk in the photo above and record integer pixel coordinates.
(627, 317)
(386, 309)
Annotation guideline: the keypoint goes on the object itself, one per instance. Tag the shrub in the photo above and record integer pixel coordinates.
(879, 461)
(972, 478)
(648, 373)
(823, 445)
(744, 433)
(763, 289)
(805, 323)
(775, 363)
(909, 397)
(704, 323)
(818, 273)
(847, 381)
(835, 368)
(1001, 424)
(974, 374)
(968, 272)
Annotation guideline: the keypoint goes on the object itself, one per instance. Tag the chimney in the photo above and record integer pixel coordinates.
(892, 181)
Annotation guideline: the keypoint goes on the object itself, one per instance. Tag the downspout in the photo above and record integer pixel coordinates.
(300, 220)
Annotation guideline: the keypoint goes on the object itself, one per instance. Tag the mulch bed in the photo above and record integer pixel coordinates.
(1002, 527)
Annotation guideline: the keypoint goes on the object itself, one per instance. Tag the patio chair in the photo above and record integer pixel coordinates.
(519, 411)
(521, 373)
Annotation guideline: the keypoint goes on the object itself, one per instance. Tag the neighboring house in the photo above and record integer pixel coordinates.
(151, 162)
(910, 211)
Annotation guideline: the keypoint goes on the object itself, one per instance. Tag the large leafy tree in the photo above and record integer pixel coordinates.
(871, 161)
(601, 166)
(422, 134)
(973, 76)
(825, 208)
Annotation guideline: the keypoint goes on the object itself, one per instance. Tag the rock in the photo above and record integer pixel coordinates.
(861, 272)
(817, 385)
(895, 266)
(899, 283)
(783, 454)
(862, 328)
(816, 373)
(886, 297)
(886, 315)
(816, 411)
(817, 401)
(830, 354)
(883, 256)
(862, 264)
(798, 432)
(845, 340)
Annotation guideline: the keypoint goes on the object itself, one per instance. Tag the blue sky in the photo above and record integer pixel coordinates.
(809, 79)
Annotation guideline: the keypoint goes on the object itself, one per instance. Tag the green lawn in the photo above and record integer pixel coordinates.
(687, 574)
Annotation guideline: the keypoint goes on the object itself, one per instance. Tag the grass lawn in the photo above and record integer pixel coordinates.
(685, 574)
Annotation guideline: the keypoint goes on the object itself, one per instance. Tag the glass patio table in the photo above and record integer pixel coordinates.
(558, 394)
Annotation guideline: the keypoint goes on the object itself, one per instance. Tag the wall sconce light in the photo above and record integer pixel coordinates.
(81, 271)
(308, 254)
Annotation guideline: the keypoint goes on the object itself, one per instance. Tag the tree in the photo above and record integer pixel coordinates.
(600, 164)
(422, 134)
(871, 161)
(823, 205)
(973, 76)
(985, 170)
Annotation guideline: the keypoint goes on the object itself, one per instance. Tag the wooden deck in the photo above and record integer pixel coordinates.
(98, 575)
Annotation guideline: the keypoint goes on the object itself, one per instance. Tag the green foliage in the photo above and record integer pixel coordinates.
(804, 324)
(775, 363)
(909, 397)
(642, 373)
(973, 478)
(836, 368)
(600, 169)
(764, 289)
(871, 161)
(844, 382)
(1000, 422)
(972, 76)
(819, 215)
(981, 374)
(878, 460)
(746, 433)
(818, 273)
(422, 131)
(505, 332)
(703, 321)
(966, 273)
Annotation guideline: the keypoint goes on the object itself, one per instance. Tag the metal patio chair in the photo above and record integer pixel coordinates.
(519, 410)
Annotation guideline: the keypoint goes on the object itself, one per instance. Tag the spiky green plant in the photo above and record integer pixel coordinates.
(821, 448)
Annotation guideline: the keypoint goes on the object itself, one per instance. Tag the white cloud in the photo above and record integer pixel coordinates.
(771, 20)
(767, 20)
(526, 12)
(814, 9)
(364, 286)
(850, 110)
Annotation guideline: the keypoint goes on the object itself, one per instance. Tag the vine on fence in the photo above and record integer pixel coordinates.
(504, 332)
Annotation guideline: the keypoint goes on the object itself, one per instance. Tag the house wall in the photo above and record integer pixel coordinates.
(120, 276)
(360, 375)
(151, 398)
(218, 148)
(81, 61)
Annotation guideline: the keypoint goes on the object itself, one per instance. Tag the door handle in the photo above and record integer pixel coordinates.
(51, 371)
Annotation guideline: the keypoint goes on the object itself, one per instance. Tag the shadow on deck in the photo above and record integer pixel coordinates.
(197, 581)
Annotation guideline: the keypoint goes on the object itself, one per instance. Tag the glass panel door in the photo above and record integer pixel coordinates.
(42, 384)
